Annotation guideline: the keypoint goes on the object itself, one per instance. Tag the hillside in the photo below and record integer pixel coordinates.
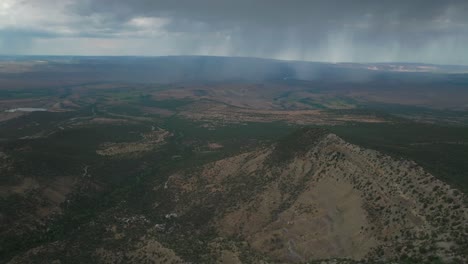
(310, 196)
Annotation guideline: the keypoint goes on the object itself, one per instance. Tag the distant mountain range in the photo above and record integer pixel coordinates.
(206, 68)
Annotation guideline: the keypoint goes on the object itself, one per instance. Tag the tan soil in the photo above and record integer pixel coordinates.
(336, 201)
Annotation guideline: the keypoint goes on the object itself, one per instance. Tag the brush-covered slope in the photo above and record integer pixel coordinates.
(309, 197)
(314, 196)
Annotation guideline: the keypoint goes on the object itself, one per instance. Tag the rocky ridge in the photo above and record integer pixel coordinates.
(335, 200)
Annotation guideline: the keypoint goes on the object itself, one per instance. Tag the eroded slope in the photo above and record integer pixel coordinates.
(325, 198)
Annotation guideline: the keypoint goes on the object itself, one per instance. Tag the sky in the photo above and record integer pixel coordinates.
(427, 31)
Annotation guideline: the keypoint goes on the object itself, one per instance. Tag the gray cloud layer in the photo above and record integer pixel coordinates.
(432, 31)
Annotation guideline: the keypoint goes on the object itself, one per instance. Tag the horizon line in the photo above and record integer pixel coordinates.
(223, 56)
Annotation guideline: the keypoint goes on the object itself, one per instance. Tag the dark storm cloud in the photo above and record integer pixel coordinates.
(331, 30)
(419, 15)
(269, 27)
